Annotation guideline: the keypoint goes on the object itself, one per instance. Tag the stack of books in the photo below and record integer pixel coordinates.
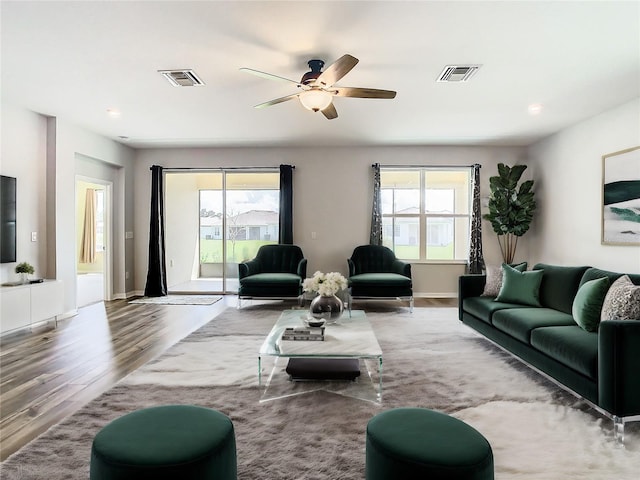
(303, 333)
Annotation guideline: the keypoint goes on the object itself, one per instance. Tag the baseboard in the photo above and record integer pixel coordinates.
(127, 295)
(65, 315)
(435, 295)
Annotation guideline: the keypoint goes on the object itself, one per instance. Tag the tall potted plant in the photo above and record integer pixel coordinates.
(511, 208)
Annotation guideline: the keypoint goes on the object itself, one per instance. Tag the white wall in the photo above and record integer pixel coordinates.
(41, 152)
(23, 156)
(332, 197)
(567, 167)
(73, 147)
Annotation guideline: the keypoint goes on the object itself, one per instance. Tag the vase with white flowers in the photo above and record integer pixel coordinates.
(326, 305)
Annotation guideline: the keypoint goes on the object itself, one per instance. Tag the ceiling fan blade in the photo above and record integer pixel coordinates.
(337, 70)
(330, 112)
(362, 92)
(268, 76)
(275, 101)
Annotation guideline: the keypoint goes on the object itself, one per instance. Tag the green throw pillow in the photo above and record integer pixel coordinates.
(494, 279)
(587, 305)
(520, 287)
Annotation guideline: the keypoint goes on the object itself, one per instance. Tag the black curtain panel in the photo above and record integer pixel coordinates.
(286, 204)
(476, 259)
(157, 273)
(375, 238)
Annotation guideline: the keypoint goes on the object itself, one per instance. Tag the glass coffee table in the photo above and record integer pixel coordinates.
(351, 337)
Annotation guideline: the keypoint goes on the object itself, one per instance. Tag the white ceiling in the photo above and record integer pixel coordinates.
(75, 60)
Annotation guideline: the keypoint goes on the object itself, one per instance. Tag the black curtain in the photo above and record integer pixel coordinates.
(375, 237)
(286, 204)
(157, 273)
(476, 259)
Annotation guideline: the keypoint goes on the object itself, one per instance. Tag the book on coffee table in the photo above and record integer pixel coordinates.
(304, 334)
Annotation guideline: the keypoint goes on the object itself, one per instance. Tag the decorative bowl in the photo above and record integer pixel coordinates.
(313, 322)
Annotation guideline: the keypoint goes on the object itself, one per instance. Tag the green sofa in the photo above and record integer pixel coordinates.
(276, 272)
(602, 366)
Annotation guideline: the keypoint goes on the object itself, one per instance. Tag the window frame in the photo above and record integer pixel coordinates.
(423, 215)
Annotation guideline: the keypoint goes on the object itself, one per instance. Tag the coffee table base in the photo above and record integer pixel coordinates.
(278, 385)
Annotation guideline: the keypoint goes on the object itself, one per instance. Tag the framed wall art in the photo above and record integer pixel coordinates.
(621, 197)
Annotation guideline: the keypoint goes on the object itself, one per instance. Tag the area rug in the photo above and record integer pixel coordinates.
(179, 300)
(536, 430)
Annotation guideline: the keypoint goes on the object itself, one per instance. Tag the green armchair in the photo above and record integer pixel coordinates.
(276, 272)
(376, 273)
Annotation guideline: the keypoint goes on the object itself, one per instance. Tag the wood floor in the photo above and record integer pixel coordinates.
(50, 372)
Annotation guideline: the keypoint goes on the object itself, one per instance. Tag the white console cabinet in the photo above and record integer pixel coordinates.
(24, 305)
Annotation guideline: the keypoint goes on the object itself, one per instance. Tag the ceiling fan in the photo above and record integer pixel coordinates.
(318, 87)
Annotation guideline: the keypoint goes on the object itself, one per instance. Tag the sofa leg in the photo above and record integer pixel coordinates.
(618, 430)
(411, 305)
(238, 307)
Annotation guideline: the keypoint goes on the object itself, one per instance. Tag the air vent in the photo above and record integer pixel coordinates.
(182, 78)
(457, 73)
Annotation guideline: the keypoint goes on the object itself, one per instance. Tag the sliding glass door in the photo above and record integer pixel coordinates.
(237, 212)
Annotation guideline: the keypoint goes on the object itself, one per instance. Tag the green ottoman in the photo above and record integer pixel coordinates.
(417, 443)
(183, 442)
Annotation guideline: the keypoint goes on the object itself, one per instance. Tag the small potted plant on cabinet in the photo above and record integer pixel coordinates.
(24, 269)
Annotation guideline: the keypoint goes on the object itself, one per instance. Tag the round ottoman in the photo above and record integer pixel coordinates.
(417, 443)
(183, 442)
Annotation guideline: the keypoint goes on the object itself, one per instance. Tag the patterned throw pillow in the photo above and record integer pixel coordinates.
(494, 279)
(622, 301)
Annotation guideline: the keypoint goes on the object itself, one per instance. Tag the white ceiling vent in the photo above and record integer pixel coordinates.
(457, 73)
(182, 78)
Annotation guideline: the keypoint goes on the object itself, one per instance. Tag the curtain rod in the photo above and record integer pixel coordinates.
(429, 166)
(205, 169)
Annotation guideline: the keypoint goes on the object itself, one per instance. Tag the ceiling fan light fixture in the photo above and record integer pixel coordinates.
(315, 99)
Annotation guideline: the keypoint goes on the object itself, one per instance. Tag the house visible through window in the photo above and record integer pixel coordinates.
(239, 212)
(426, 212)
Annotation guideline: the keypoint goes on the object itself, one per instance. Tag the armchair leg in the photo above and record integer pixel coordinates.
(411, 304)
(238, 307)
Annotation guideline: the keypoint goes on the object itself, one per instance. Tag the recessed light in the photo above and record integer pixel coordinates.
(534, 108)
(112, 112)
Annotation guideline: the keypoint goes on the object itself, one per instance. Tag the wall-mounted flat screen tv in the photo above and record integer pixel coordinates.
(7, 219)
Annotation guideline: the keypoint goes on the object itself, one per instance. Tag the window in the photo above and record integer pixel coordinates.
(426, 212)
(239, 212)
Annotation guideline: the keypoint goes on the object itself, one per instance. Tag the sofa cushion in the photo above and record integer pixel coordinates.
(382, 284)
(494, 279)
(484, 307)
(622, 301)
(587, 305)
(559, 285)
(593, 273)
(520, 287)
(571, 346)
(271, 285)
(271, 278)
(520, 322)
(380, 279)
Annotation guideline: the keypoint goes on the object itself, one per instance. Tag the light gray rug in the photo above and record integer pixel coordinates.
(537, 431)
(179, 300)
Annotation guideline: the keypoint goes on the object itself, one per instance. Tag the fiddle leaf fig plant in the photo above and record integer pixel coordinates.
(511, 207)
